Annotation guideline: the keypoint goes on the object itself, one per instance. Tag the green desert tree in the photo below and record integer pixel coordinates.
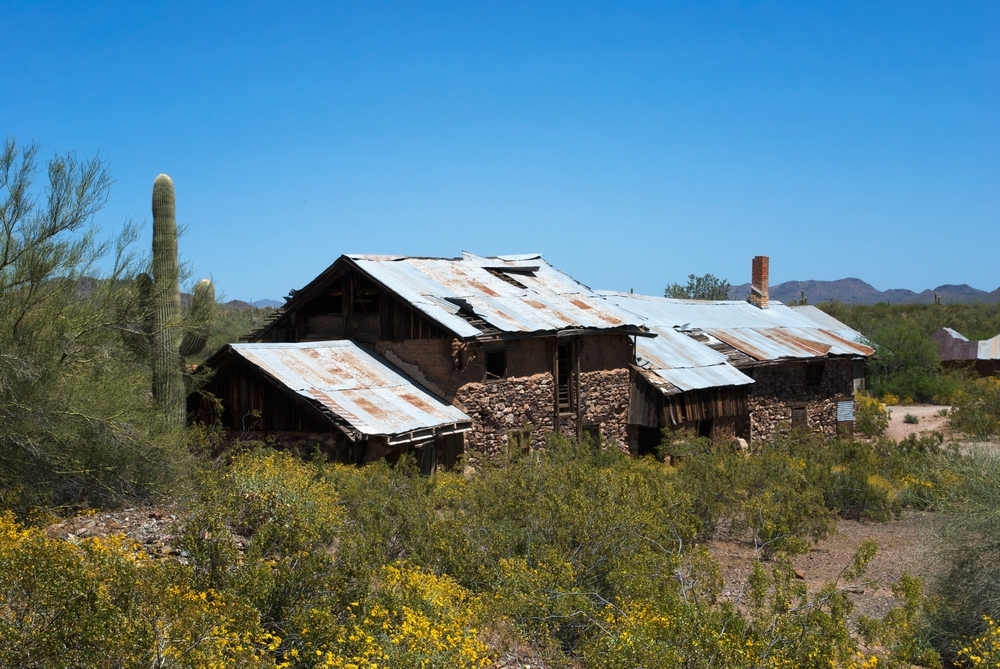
(77, 417)
(707, 287)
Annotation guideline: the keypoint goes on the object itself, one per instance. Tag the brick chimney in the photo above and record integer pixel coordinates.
(759, 276)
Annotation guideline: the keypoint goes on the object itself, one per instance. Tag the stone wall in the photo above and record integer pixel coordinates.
(780, 388)
(524, 406)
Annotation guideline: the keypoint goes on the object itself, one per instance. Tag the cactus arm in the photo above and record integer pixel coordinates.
(199, 318)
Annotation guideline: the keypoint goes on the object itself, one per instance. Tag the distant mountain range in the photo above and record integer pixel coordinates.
(240, 304)
(856, 291)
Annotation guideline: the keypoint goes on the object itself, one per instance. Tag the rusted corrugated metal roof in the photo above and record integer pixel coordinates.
(511, 293)
(685, 363)
(764, 334)
(372, 397)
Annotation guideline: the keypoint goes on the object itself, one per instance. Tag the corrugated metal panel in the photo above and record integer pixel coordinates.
(353, 384)
(536, 297)
(696, 378)
(845, 411)
(763, 334)
(671, 349)
(989, 349)
(685, 363)
(955, 334)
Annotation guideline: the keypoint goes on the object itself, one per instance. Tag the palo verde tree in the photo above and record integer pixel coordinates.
(707, 287)
(78, 424)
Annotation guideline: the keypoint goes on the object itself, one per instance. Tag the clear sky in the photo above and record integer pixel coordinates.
(632, 144)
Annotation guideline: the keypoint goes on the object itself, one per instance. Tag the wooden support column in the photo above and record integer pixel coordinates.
(555, 385)
(579, 402)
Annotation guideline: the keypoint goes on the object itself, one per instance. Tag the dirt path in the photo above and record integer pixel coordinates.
(928, 416)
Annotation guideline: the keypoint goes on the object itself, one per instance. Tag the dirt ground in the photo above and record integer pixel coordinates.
(929, 419)
(903, 548)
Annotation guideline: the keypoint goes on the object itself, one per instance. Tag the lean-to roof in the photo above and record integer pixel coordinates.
(358, 388)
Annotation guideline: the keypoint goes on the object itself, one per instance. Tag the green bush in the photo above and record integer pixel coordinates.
(976, 408)
(872, 418)
(78, 426)
(969, 548)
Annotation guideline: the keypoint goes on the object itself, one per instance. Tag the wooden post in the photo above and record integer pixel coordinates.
(579, 403)
(555, 385)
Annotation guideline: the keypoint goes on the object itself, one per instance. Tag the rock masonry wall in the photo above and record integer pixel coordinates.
(779, 388)
(523, 406)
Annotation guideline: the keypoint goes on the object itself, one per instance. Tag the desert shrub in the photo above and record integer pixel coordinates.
(976, 408)
(969, 549)
(411, 619)
(983, 650)
(872, 418)
(769, 496)
(101, 603)
(906, 363)
(782, 626)
(285, 517)
(910, 419)
(562, 531)
(79, 428)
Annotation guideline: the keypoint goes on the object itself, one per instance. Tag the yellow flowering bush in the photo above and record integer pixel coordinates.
(872, 418)
(983, 650)
(976, 408)
(102, 603)
(411, 619)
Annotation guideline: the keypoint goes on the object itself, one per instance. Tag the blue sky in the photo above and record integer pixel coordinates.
(632, 144)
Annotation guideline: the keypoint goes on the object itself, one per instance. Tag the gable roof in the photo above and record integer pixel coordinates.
(775, 333)
(472, 296)
(364, 393)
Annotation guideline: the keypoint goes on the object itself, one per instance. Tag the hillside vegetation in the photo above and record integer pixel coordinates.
(570, 556)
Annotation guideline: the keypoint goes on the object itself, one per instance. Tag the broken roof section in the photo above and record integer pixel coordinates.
(778, 332)
(676, 363)
(511, 294)
(366, 396)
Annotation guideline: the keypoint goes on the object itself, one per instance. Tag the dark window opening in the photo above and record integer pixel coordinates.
(592, 433)
(649, 440)
(496, 365)
(564, 376)
(705, 429)
(427, 458)
(799, 417)
(814, 375)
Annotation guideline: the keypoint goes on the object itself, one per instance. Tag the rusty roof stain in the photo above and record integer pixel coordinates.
(685, 363)
(776, 333)
(360, 388)
(541, 298)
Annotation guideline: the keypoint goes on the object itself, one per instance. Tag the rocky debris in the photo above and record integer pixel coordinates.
(154, 529)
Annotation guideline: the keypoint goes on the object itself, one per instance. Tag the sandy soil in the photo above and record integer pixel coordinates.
(903, 548)
(928, 416)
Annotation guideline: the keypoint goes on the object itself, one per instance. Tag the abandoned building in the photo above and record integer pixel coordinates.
(956, 351)
(797, 366)
(333, 395)
(518, 346)
(518, 349)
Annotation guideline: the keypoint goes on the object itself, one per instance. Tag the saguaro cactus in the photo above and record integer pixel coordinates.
(172, 336)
